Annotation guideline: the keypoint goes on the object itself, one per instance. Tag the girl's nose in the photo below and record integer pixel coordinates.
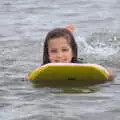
(59, 54)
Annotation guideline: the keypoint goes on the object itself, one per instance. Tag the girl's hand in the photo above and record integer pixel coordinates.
(70, 28)
(111, 75)
(28, 76)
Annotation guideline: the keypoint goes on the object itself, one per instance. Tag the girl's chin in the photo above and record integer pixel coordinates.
(60, 61)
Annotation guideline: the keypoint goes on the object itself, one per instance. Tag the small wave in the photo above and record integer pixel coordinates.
(100, 47)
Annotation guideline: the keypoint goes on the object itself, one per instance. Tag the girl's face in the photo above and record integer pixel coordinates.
(59, 50)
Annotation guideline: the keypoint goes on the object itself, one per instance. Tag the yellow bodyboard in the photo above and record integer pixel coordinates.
(68, 75)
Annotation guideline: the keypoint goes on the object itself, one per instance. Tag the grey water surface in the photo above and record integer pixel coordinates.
(23, 27)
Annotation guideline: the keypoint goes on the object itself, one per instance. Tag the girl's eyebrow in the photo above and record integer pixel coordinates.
(52, 48)
(65, 47)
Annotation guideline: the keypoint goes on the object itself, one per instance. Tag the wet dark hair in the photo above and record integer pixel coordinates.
(57, 33)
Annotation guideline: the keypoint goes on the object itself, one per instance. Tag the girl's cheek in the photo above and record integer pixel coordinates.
(52, 58)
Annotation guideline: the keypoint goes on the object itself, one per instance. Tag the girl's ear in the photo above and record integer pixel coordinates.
(70, 28)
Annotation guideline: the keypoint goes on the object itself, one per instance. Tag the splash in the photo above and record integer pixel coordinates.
(102, 46)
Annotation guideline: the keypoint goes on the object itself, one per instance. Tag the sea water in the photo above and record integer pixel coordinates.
(23, 27)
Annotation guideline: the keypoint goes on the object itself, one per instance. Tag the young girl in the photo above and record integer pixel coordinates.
(60, 47)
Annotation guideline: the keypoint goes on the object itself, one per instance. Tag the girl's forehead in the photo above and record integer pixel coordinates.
(59, 39)
(58, 44)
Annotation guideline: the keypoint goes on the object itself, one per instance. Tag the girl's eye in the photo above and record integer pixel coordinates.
(53, 51)
(65, 50)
